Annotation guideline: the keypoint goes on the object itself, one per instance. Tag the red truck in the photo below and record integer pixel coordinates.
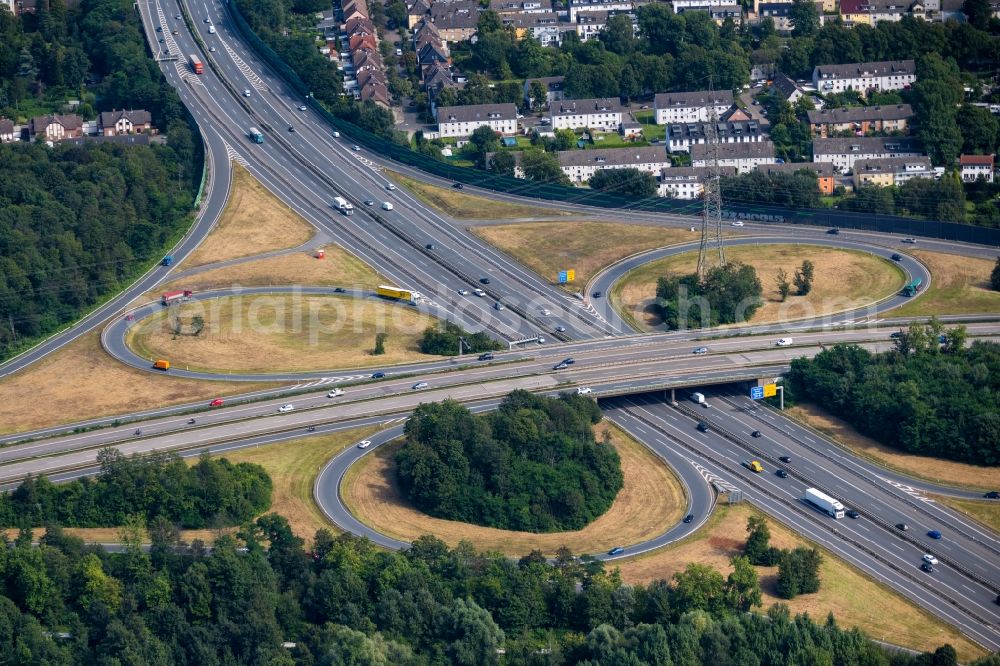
(196, 65)
(175, 296)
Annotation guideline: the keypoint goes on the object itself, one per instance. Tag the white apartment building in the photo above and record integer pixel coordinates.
(690, 107)
(891, 170)
(687, 182)
(681, 136)
(577, 7)
(599, 114)
(864, 76)
(744, 157)
(464, 120)
(975, 167)
(843, 153)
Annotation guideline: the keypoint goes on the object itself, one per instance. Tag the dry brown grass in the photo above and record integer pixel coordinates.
(339, 268)
(933, 469)
(587, 247)
(254, 221)
(850, 596)
(959, 285)
(651, 501)
(112, 534)
(844, 279)
(284, 332)
(468, 206)
(81, 382)
(293, 467)
(986, 512)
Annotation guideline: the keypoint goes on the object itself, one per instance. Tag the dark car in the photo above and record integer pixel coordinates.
(488, 356)
(429, 246)
(853, 514)
(338, 290)
(928, 567)
(934, 534)
(755, 433)
(458, 186)
(484, 280)
(897, 257)
(688, 518)
(617, 550)
(785, 459)
(569, 360)
(702, 426)
(781, 474)
(896, 334)
(596, 294)
(291, 129)
(993, 494)
(833, 232)
(378, 375)
(902, 526)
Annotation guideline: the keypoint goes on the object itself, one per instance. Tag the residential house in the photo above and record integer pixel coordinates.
(825, 180)
(843, 153)
(860, 120)
(577, 7)
(589, 25)
(719, 10)
(328, 25)
(873, 12)
(427, 33)
(545, 27)
(864, 76)
(787, 88)
(745, 157)
(436, 78)
(416, 12)
(503, 7)
(354, 9)
(431, 53)
(580, 165)
(7, 133)
(599, 114)
(690, 107)
(455, 21)
(681, 136)
(112, 123)
(55, 127)
(779, 12)
(464, 120)
(553, 89)
(687, 182)
(361, 25)
(973, 167)
(362, 41)
(887, 171)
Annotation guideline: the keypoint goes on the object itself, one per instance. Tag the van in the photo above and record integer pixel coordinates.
(161, 364)
(211, 29)
(784, 342)
(698, 398)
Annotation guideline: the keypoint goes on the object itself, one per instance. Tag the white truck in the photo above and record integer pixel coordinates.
(343, 205)
(698, 398)
(824, 503)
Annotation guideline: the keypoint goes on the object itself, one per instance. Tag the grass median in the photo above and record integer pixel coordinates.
(650, 502)
(469, 206)
(854, 599)
(959, 285)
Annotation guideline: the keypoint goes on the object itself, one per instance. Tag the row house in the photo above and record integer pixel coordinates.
(455, 21)
(873, 12)
(589, 25)
(745, 157)
(888, 171)
(578, 7)
(691, 107)
(354, 9)
(860, 120)
(973, 167)
(369, 81)
(114, 123)
(681, 136)
(461, 121)
(545, 27)
(687, 182)
(374, 87)
(55, 127)
(520, 7)
(553, 86)
(825, 178)
(719, 10)
(601, 114)
(843, 153)
(416, 12)
(789, 90)
(779, 12)
(428, 34)
(580, 165)
(864, 76)
(8, 132)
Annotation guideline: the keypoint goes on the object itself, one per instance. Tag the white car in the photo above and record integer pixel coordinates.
(419, 385)
(336, 135)
(784, 342)
(335, 393)
(303, 107)
(246, 92)
(355, 148)
(583, 390)
(211, 49)
(930, 559)
(463, 292)
(390, 187)
(545, 312)
(479, 292)
(738, 223)
(386, 205)
(286, 408)
(364, 444)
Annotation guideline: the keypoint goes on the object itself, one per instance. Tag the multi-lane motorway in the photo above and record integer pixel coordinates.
(421, 249)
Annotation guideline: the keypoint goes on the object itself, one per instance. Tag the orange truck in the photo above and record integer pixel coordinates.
(161, 364)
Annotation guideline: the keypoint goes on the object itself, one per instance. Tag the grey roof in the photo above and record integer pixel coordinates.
(859, 69)
(140, 117)
(550, 82)
(623, 157)
(867, 145)
(698, 98)
(820, 168)
(461, 14)
(70, 121)
(857, 114)
(476, 112)
(6, 126)
(724, 129)
(579, 107)
(891, 164)
(696, 174)
(732, 151)
(784, 85)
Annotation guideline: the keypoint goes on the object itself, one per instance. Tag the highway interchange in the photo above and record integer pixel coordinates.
(629, 373)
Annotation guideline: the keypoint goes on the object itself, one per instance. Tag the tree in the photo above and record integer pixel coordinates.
(979, 129)
(542, 167)
(728, 294)
(805, 18)
(628, 182)
(617, 35)
(784, 287)
(538, 95)
(471, 634)
(978, 13)
(804, 278)
(380, 339)
(798, 572)
(742, 587)
(443, 340)
(698, 587)
(503, 163)
(995, 276)
(197, 325)
(483, 140)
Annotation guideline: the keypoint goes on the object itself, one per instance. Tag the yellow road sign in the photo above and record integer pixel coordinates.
(770, 390)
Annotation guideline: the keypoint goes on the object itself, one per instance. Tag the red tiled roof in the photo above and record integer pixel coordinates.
(976, 160)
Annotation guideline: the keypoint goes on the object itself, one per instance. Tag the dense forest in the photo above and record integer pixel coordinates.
(346, 602)
(531, 465)
(211, 493)
(444, 339)
(727, 295)
(942, 398)
(77, 222)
